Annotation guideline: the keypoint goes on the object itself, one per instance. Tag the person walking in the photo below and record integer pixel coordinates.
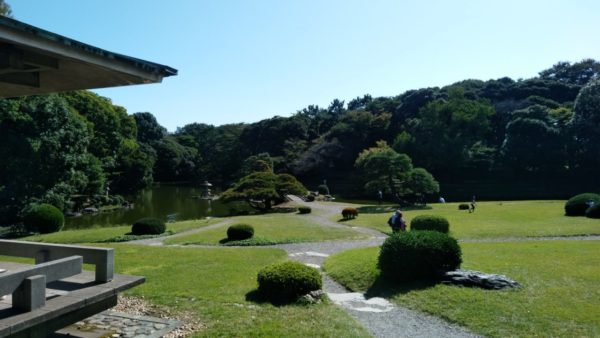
(396, 222)
(472, 206)
(379, 196)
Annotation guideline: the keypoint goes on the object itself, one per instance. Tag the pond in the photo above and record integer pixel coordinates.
(166, 202)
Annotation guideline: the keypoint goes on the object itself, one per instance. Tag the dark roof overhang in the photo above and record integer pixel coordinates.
(35, 61)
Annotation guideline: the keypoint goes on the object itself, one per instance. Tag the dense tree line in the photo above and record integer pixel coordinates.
(58, 146)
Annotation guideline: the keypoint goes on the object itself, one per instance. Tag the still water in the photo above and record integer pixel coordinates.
(164, 202)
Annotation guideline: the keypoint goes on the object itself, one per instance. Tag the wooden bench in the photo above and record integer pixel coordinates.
(55, 292)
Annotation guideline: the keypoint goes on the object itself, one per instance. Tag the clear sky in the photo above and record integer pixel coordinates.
(243, 61)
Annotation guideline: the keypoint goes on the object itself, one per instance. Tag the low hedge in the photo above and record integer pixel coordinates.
(148, 226)
(304, 210)
(430, 222)
(285, 282)
(43, 218)
(578, 204)
(418, 255)
(239, 232)
(463, 206)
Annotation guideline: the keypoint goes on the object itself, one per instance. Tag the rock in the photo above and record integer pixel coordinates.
(313, 297)
(479, 279)
(90, 210)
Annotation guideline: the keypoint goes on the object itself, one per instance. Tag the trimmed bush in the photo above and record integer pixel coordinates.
(349, 213)
(323, 189)
(285, 282)
(148, 226)
(463, 206)
(418, 255)
(310, 198)
(593, 211)
(577, 205)
(239, 232)
(430, 222)
(43, 218)
(304, 210)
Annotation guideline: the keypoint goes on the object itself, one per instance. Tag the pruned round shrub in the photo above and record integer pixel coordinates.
(577, 205)
(285, 282)
(323, 189)
(238, 232)
(430, 222)
(43, 218)
(593, 211)
(349, 213)
(463, 206)
(310, 198)
(304, 210)
(148, 226)
(418, 255)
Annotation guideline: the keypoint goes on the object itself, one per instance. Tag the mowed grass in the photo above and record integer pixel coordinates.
(497, 220)
(213, 283)
(101, 234)
(273, 228)
(559, 297)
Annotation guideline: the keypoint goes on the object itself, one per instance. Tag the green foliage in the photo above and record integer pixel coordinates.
(43, 218)
(420, 183)
(383, 168)
(254, 163)
(577, 205)
(593, 211)
(148, 129)
(323, 189)
(148, 226)
(430, 222)
(238, 232)
(417, 255)
(5, 9)
(304, 210)
(45, 147)
(585, 125)
(285, 282)
(264, 187)
(447, 129)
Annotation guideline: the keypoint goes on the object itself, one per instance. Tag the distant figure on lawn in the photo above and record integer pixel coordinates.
(442, 199)
(379, 196)
(396, 222)
(472, 205)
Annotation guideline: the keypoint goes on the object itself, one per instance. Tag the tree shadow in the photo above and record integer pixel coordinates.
(383, 287)
(345, 219)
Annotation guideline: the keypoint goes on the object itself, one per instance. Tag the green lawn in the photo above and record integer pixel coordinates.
(559, 298)
(213, 284)
(275, 228)
(497, 219)
(101, 234)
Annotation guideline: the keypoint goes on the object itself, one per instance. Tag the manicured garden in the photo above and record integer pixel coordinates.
(272, 229)
(559, 296)
(495, 220)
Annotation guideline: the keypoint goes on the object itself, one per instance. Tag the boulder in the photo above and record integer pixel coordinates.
(478, 279)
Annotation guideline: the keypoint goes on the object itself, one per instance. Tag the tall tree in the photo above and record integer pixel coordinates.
(5, 9)
(586, 126)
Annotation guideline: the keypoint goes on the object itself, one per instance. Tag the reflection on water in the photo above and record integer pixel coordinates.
(165, 202)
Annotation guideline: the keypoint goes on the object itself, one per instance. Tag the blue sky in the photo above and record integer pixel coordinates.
(243, 61)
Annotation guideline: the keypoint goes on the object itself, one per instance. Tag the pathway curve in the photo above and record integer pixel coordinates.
(380, 317)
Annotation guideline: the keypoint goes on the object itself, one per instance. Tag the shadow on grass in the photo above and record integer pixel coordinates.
(256, 297)
(345, 219)
(385, 288)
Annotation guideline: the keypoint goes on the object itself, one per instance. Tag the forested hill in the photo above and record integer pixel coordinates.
(470, 135)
